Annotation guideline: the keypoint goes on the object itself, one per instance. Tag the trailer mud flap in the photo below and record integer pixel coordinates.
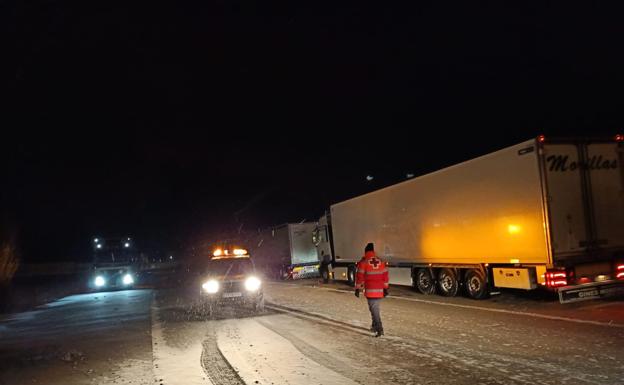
(591, 291)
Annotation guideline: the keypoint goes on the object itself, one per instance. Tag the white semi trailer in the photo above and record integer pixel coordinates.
(542, 213)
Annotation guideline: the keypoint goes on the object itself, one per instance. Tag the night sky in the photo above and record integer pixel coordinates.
(178, 123)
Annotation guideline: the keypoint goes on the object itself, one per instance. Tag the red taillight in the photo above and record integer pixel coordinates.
(541, 138)
(619, 271)
(556, 278)
(619, 138)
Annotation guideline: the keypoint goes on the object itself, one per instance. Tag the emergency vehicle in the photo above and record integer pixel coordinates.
(231, 278)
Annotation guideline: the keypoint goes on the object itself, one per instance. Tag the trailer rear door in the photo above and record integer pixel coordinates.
(607, 191)
(585, 197)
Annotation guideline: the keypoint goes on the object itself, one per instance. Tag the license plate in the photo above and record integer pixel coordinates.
(581, 294)
(231, 295)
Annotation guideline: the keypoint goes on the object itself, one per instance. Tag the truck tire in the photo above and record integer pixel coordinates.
(476, 285)
(424, 282)
(351, 275)
(448, 285)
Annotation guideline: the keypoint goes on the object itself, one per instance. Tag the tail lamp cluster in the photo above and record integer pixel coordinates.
(559, 278)
(555, 278)
(619, 271)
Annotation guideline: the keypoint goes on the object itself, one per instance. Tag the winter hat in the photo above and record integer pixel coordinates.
(369, 247)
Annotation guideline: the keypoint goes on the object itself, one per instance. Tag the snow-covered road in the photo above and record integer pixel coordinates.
(312, 334)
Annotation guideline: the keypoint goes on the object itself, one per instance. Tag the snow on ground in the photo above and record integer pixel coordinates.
(114, 338)
(130, 372)
(460, 342)
(86, 339)
(263, 357)
(175, 364)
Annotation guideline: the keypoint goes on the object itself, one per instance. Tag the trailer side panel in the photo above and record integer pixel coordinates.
(486, 210)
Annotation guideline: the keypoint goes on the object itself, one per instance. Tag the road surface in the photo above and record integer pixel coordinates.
(313, 334)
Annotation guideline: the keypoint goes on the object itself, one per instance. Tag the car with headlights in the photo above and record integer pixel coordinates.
(231, 278)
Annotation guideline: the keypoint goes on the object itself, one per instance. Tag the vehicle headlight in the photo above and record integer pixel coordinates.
(127, 279)
(100, 281)
(211, 286)
(252, 284)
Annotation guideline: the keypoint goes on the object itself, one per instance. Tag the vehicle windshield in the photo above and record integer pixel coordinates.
(230, 266)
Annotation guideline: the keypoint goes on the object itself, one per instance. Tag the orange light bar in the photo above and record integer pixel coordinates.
(240, 251)
(218, 253)
(231, 257)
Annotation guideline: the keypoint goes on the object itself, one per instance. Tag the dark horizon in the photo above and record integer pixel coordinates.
(58, 206)
(172, 124)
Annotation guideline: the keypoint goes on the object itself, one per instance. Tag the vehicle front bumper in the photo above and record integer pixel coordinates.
(231, 297)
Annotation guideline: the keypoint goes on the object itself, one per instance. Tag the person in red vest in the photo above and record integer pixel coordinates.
(372, 277)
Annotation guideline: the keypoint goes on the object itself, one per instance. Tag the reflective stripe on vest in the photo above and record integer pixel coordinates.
(375, 272)
(374, 290)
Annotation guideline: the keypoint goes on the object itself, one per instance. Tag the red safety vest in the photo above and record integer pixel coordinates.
(372, 275)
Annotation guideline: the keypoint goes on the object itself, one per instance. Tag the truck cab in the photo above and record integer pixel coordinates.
(322, 240)
(115, 264)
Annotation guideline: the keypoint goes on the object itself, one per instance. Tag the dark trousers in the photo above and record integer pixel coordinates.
(374, 307)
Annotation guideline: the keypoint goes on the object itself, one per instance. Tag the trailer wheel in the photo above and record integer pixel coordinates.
(447, 282)
(351, 275)
(476, 286)
(423, 281)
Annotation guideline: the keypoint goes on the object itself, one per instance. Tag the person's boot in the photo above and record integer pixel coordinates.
(379, 333)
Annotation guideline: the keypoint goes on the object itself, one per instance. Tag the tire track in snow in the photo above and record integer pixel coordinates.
(316, 355)
(495, 310)
(518, 369)
(214, 363)
(174, 365)
(261, 356)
